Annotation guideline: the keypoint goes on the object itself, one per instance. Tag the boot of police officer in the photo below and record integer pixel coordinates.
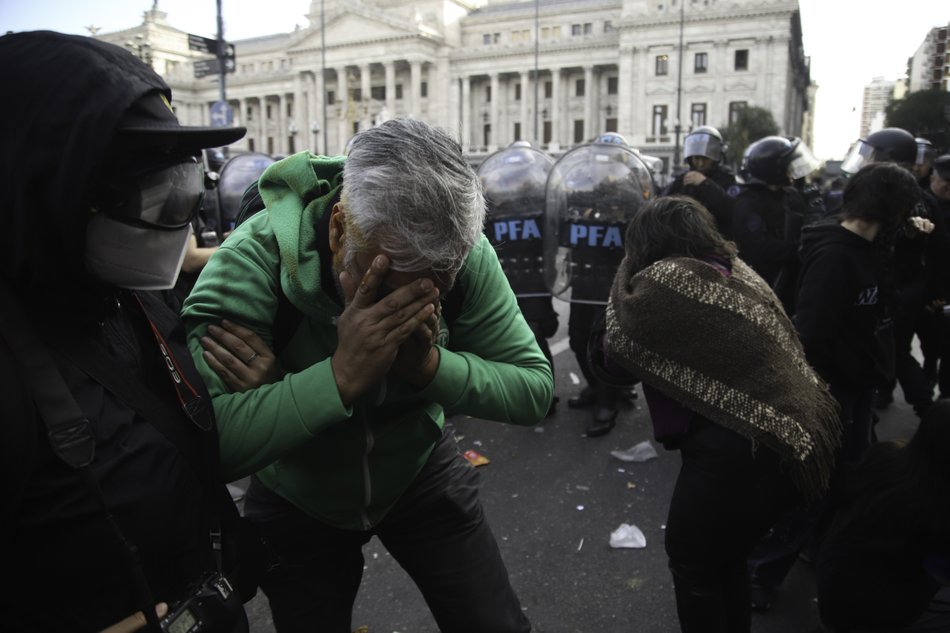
(707, 180)
(910, 291)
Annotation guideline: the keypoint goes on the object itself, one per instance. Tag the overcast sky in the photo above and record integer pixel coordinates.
(850, 42)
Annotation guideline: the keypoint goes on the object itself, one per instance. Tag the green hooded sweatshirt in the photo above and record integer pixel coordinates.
(348, 466)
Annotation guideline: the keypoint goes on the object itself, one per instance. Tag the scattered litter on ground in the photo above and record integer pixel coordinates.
(539, 429)
(365, 629)
(636, 583)
(639, 453)
(621, 470)
(663, 527)
(580, 487)
(574, 379)
(580, 545)
(627, 536)
(631, 485)
(475, 459)
(477, 442)
(580, 508)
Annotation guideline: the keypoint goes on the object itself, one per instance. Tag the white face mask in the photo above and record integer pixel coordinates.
(134, 257)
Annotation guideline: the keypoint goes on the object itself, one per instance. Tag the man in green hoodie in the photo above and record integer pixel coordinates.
(349, 442)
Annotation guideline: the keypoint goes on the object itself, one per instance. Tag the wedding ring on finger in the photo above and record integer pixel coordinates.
(253, 356)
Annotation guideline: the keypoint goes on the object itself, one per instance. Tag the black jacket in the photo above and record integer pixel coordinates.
(716, 193)
(842, 312)
(66, 564)
(765, 229)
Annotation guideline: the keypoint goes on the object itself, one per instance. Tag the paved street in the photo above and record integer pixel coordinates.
(553, 497)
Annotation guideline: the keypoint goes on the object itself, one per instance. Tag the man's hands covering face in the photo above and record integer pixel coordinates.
(396, 332)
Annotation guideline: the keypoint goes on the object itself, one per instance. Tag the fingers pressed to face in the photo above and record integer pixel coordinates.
(414, 302)
(364, 295)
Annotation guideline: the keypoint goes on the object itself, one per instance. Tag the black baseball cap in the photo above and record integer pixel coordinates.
(151, 121)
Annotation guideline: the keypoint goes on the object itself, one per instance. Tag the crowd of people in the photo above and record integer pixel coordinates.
(763, 320)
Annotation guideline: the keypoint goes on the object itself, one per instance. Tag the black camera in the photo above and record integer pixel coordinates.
(211, 606)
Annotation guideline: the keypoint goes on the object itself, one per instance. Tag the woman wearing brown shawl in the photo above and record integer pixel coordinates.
(727, 383)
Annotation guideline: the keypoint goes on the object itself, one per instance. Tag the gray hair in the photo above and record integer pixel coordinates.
(408, 190)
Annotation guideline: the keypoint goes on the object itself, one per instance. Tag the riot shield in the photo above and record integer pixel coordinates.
(236, 175)
(513, 181)
(592, 193)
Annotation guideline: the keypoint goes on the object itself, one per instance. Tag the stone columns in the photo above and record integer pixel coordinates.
(527, 128)
(415, 81)
(366, 121)
(390, 68)
(590, 127)
(466, 113)
(494, 107)
(343, 130)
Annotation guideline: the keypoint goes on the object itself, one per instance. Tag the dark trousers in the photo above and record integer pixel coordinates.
(579, 324)
(436, 531)
(917, 390)
(802, 527)
(726, 497)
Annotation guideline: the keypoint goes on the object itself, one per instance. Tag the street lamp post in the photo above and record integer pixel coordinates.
(292, 132)
(679, 95)
(315, 131)
(323, 72)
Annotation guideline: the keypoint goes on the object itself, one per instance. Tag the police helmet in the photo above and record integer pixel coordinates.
(889, 145)
(612, 138)
(926, 153)
(703, 141)
(777, 160)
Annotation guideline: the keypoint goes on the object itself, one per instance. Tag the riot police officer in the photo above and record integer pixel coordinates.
(513, 181)
(924, 165)
(769, 211)
(591, 194)
(707, 180)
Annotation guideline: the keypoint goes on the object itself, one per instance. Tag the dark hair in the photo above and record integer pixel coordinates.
(674, 226)
(880, 192)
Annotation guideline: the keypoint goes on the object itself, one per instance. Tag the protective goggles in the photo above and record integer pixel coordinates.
(166, 197)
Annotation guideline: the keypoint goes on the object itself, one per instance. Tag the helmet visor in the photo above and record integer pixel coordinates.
(925, 154)
(702, 145)
(165, 198)
(860, 155)
(803, 163)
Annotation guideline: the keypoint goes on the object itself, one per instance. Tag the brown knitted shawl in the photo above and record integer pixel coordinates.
(724, 348)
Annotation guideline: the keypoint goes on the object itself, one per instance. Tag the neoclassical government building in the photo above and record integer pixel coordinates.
(553, 72)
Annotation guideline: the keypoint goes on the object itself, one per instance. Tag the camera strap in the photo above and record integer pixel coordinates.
(68, 428)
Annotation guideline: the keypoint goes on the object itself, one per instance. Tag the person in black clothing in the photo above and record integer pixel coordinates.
(846, 293)
(884, 564)
(898, 146)
(769, 212)
(99, 184)
(924, 163)
(844, 313)
(707, 180)
(933, 328)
